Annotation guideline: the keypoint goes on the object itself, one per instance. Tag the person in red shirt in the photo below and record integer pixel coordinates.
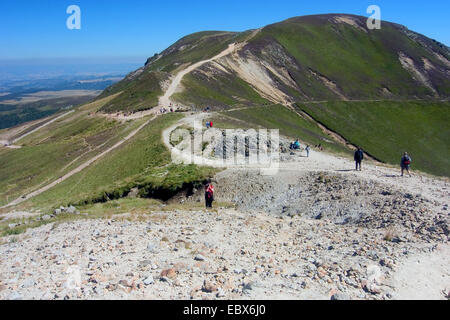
(209, 194)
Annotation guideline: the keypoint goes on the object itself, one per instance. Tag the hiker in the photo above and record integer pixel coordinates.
(292, 145)
(208, 124)
(307, 151)
(405, 162)
(359, 156)
(209, 194)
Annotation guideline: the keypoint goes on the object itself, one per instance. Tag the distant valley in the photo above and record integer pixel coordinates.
(27, 100)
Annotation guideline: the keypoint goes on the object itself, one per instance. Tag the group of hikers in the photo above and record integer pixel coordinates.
(209, 124)
(164, 110)
(405, 164)
(171, 108)
(405, 161)
(295, 145)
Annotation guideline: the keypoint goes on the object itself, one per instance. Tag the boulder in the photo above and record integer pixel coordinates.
(133, 193)
(149, 280)
(169, 273)
(199, 257)
(71, 210)
(209, 287)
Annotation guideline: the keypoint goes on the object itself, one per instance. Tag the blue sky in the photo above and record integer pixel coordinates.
(139, 28)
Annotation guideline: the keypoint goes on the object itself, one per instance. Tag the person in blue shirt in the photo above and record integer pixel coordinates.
(359, 156)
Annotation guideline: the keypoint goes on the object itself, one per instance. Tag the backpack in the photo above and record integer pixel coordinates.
(406, 161)
(209, 192)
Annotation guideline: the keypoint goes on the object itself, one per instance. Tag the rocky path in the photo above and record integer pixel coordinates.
(220, 254)
(429, 186)
(424, 276)
(437, 189)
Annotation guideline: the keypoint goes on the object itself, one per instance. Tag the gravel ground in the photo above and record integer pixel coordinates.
(204, 255)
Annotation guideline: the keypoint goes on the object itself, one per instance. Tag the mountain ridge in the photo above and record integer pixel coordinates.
(305, 58)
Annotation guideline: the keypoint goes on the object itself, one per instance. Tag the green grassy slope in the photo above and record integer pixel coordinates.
(53, 151)
(140, 91)
(139, 94)
(387, 129)
(191, 49)
(143, 161)
(360, 63)
(232, 91)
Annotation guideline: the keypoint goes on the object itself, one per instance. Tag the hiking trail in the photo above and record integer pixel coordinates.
(164, 100)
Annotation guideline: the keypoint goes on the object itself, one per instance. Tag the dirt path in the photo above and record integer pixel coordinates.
(40, 127)
(165, 100)
(9, 143)
(437, 189)
(133, 116)
(177, 155)
(8, 134)
(423, 276)
(78, 169)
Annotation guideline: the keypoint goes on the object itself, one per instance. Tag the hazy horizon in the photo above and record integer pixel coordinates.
(48, 68)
